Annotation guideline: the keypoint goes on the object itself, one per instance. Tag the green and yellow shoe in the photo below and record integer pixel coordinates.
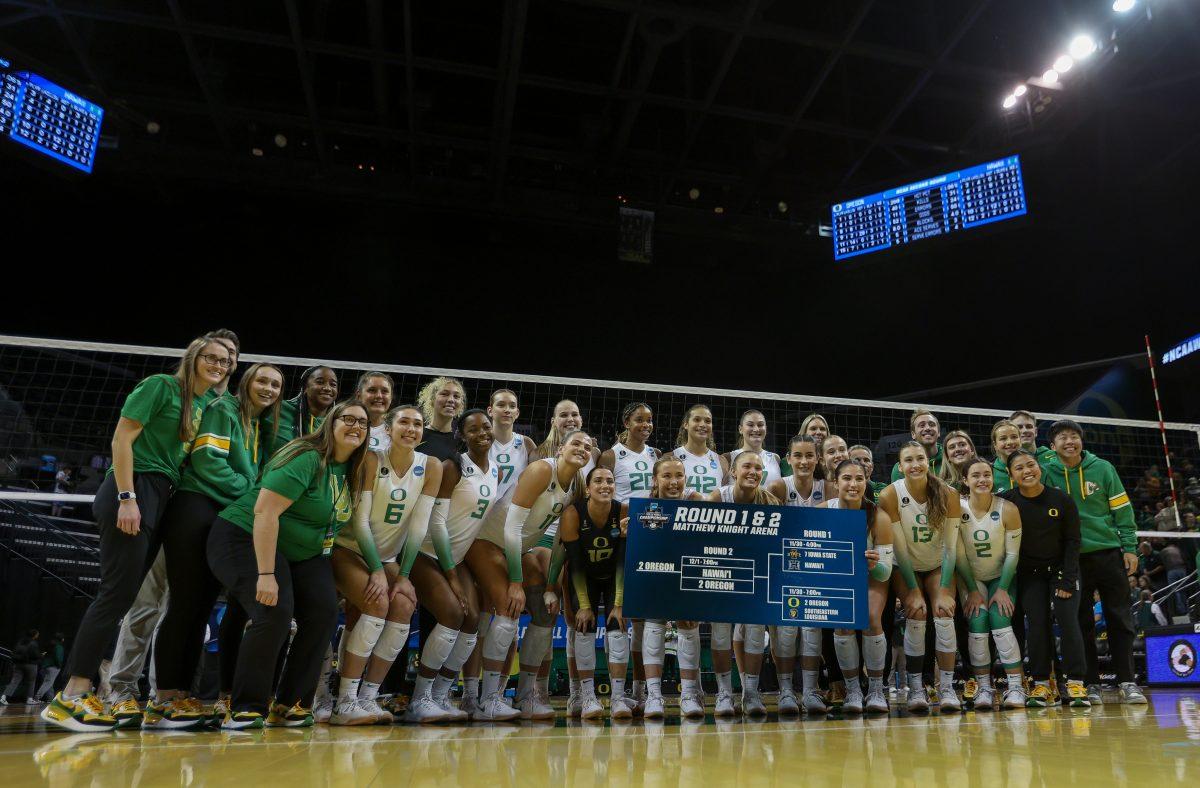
(295, 717)
(178, 714)
(1039, 698)
(241, 720)
(128, 714)
(84, 714)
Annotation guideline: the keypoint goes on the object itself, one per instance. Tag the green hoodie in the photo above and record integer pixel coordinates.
(935, 464)
(224, 460)
(1001, 481)
(1105, 514)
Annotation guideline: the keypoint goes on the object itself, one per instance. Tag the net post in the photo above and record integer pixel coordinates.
(1162, 431)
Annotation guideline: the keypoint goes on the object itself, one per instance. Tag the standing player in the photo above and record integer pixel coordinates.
(1006, 438)
(303, 413)
(959, 450)
(927, 431)
(814, 424)
(696, 449)
(926, 546)
(1026, 424)
(510, 451)
(752, 429)
(631, 458)
(989, 548)
(375, 390)
(441, 400)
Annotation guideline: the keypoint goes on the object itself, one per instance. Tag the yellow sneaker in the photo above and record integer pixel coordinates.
(84, 714)
(176, 714)
(295, 717)
(1039, 698)
(970, 690)
(1077, 696)
(127, 713)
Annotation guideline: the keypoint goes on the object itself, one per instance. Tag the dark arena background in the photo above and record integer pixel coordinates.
(858, 209)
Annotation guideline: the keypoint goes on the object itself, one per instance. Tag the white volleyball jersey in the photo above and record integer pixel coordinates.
(510, 459)
(794, 498)
(836, 503)
(379, 439)
(392, 500)
(983, 539)
(924, 543)
(633, 471)
(770, 461)
(703, 471)
(544, 512)
(727, 494)
(470, 500)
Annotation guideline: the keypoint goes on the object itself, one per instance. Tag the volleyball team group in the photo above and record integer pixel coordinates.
(297, 506)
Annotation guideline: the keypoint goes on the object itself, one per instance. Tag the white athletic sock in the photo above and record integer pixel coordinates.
(618, 687)
(441, 686)
(491, 683)
(725, 682)
(786, 681)
(945, 678)
(348, 688)
(471, 688)
(749, 682)
(368, 690)
(574, 685)
(809, 677)
(690, 685)
(654, 687)
(525, 680)
(422, 686)
(916, 681)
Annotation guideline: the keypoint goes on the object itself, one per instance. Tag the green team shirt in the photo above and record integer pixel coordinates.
(225, 456)
(875, 488)
(155, 404)
(1001, 481)
(320, 505)
(276, 439)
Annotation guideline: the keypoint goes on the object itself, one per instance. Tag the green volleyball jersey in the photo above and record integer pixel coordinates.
(225, 456)
(155, 404)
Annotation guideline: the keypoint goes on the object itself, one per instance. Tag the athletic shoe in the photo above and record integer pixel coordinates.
(1132, 694)
(787, 702)
(877, 703)
(452, 714)
(931, 693)
(3, 700)
(323, 710)
(221, 707)
(470, 705)
(176, 714)
(854, 699)
(1095, 695)
(127, 713)
(691, 705)
(949, 700)
(295, 717)
(32, 702)
(575, 705)
(397, 705)
(532, 707)
(985, 699)
(1039, 698)
(382, 715)
(918, 699)
(423, 711)
(813, 703)
(837, 695)
(493, 707)
(619, 708)
(590, 708)
(348, 712)
(1077, 696)
(241, 720)
(970, 690)
(724, 707)
(752, 703)
(653, 710)
(83, 714)
(1014, 698)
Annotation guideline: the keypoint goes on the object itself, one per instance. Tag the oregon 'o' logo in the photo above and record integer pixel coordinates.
(1052, 512)
(398, 494)
(485, 491)
(640, 465)
(503, 458)
(981, 535)
(922, 518)
(1183, 658)
(699, 470)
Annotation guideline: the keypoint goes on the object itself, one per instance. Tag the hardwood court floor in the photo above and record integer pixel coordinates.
(1157, 744)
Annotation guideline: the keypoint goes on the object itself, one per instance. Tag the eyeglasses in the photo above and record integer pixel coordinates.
(216, 361)
(354, 421)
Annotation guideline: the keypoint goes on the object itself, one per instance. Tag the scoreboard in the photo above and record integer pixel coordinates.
(48, 118)
(933, 207)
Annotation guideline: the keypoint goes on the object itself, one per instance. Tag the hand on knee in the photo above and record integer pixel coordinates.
(401, 608)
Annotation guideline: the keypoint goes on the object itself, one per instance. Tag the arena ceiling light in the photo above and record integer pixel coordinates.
(1050, 76)
(1063, 63)
(1081, 46)
(1124, 6)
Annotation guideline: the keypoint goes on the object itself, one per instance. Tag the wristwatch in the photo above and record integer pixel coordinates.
(127, 496)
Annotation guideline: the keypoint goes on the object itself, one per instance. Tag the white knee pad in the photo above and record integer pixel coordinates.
(977, 649)
(1007, 646)
(754, 638)
(875, 652)
(499, 638)
(585, 650)
(571, 643)
(639, 629)
(464, 644)
(438, 646)
(914, 638)
(739, 633)
(785, 641)
(616, 642)
(943, 631)
(653, 645)
(810, 642)
(688, 649)
(364, 636)
(846, 649)
(391, 641)
(722, 639)
(535, 644)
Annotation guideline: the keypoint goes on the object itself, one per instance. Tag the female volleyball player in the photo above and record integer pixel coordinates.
(223, 465)
(989, 547)
(441, 401)
(694, 446)
(833, 451)
(372, 565)
(158, 423)
(1006, 438)
(814, 424)
(631, 458)
(752, 429)
(271, 549)
(375, 390)
(590, 532)
(495, 559)
(303, 413)
(1048, 578)
(925, 513)
(746, 488)
(851, 480)
(511, 452)
(958, 449)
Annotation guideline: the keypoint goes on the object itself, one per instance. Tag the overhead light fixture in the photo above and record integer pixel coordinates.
(256, 151)
(719, 210)
(1081, 46)
(152, 127)
(1050, 76)
(1010, 102)
(1063, 63)
(1020, 90)
(280, 141)
(693, 193)
(1124, 6)
(782, 206)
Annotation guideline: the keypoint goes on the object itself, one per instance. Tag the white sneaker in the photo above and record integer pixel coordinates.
(532, 708)
(752, 703)
(493, 707)
(574, 706)
(724, 707)
(948, 699)
(813, 703)
(691, 706)
(619, 708)
(590, 708)
(382, 715)
(877, 703)
(1132, 694)
(917, 699)
(323, 710)
(423, 711)
(452, 714)
(985, 699)
(349, 712)
(1014, 698)
(470, 705)
(853, 704)
(787, 702)
(653, 709)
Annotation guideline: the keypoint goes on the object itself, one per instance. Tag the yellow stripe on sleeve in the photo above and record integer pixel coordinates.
(1117, 501)
(218, 443)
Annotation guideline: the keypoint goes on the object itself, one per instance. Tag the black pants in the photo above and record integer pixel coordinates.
(1104, 571)
(229, 639)
(306, 592)
(194, 588)
(124, 562)
(1037, 597)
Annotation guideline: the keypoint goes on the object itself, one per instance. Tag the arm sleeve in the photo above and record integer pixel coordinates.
(439, 535)
(557, 556)
(962, 564)
(1122, 511)
(418, 527)
(513, 522)
(210, 452)
(902, 561)
(883, 569)
(619, 577)
(950, 552)
(362, 531)
(578, 576)
(1012, 554)
(1070, 543)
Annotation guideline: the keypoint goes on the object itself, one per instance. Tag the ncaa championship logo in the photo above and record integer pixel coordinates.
(653, 518)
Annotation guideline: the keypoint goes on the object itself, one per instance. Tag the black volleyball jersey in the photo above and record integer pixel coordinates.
(598, 543)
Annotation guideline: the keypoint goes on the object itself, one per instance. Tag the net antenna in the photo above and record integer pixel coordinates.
(1162, 430)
